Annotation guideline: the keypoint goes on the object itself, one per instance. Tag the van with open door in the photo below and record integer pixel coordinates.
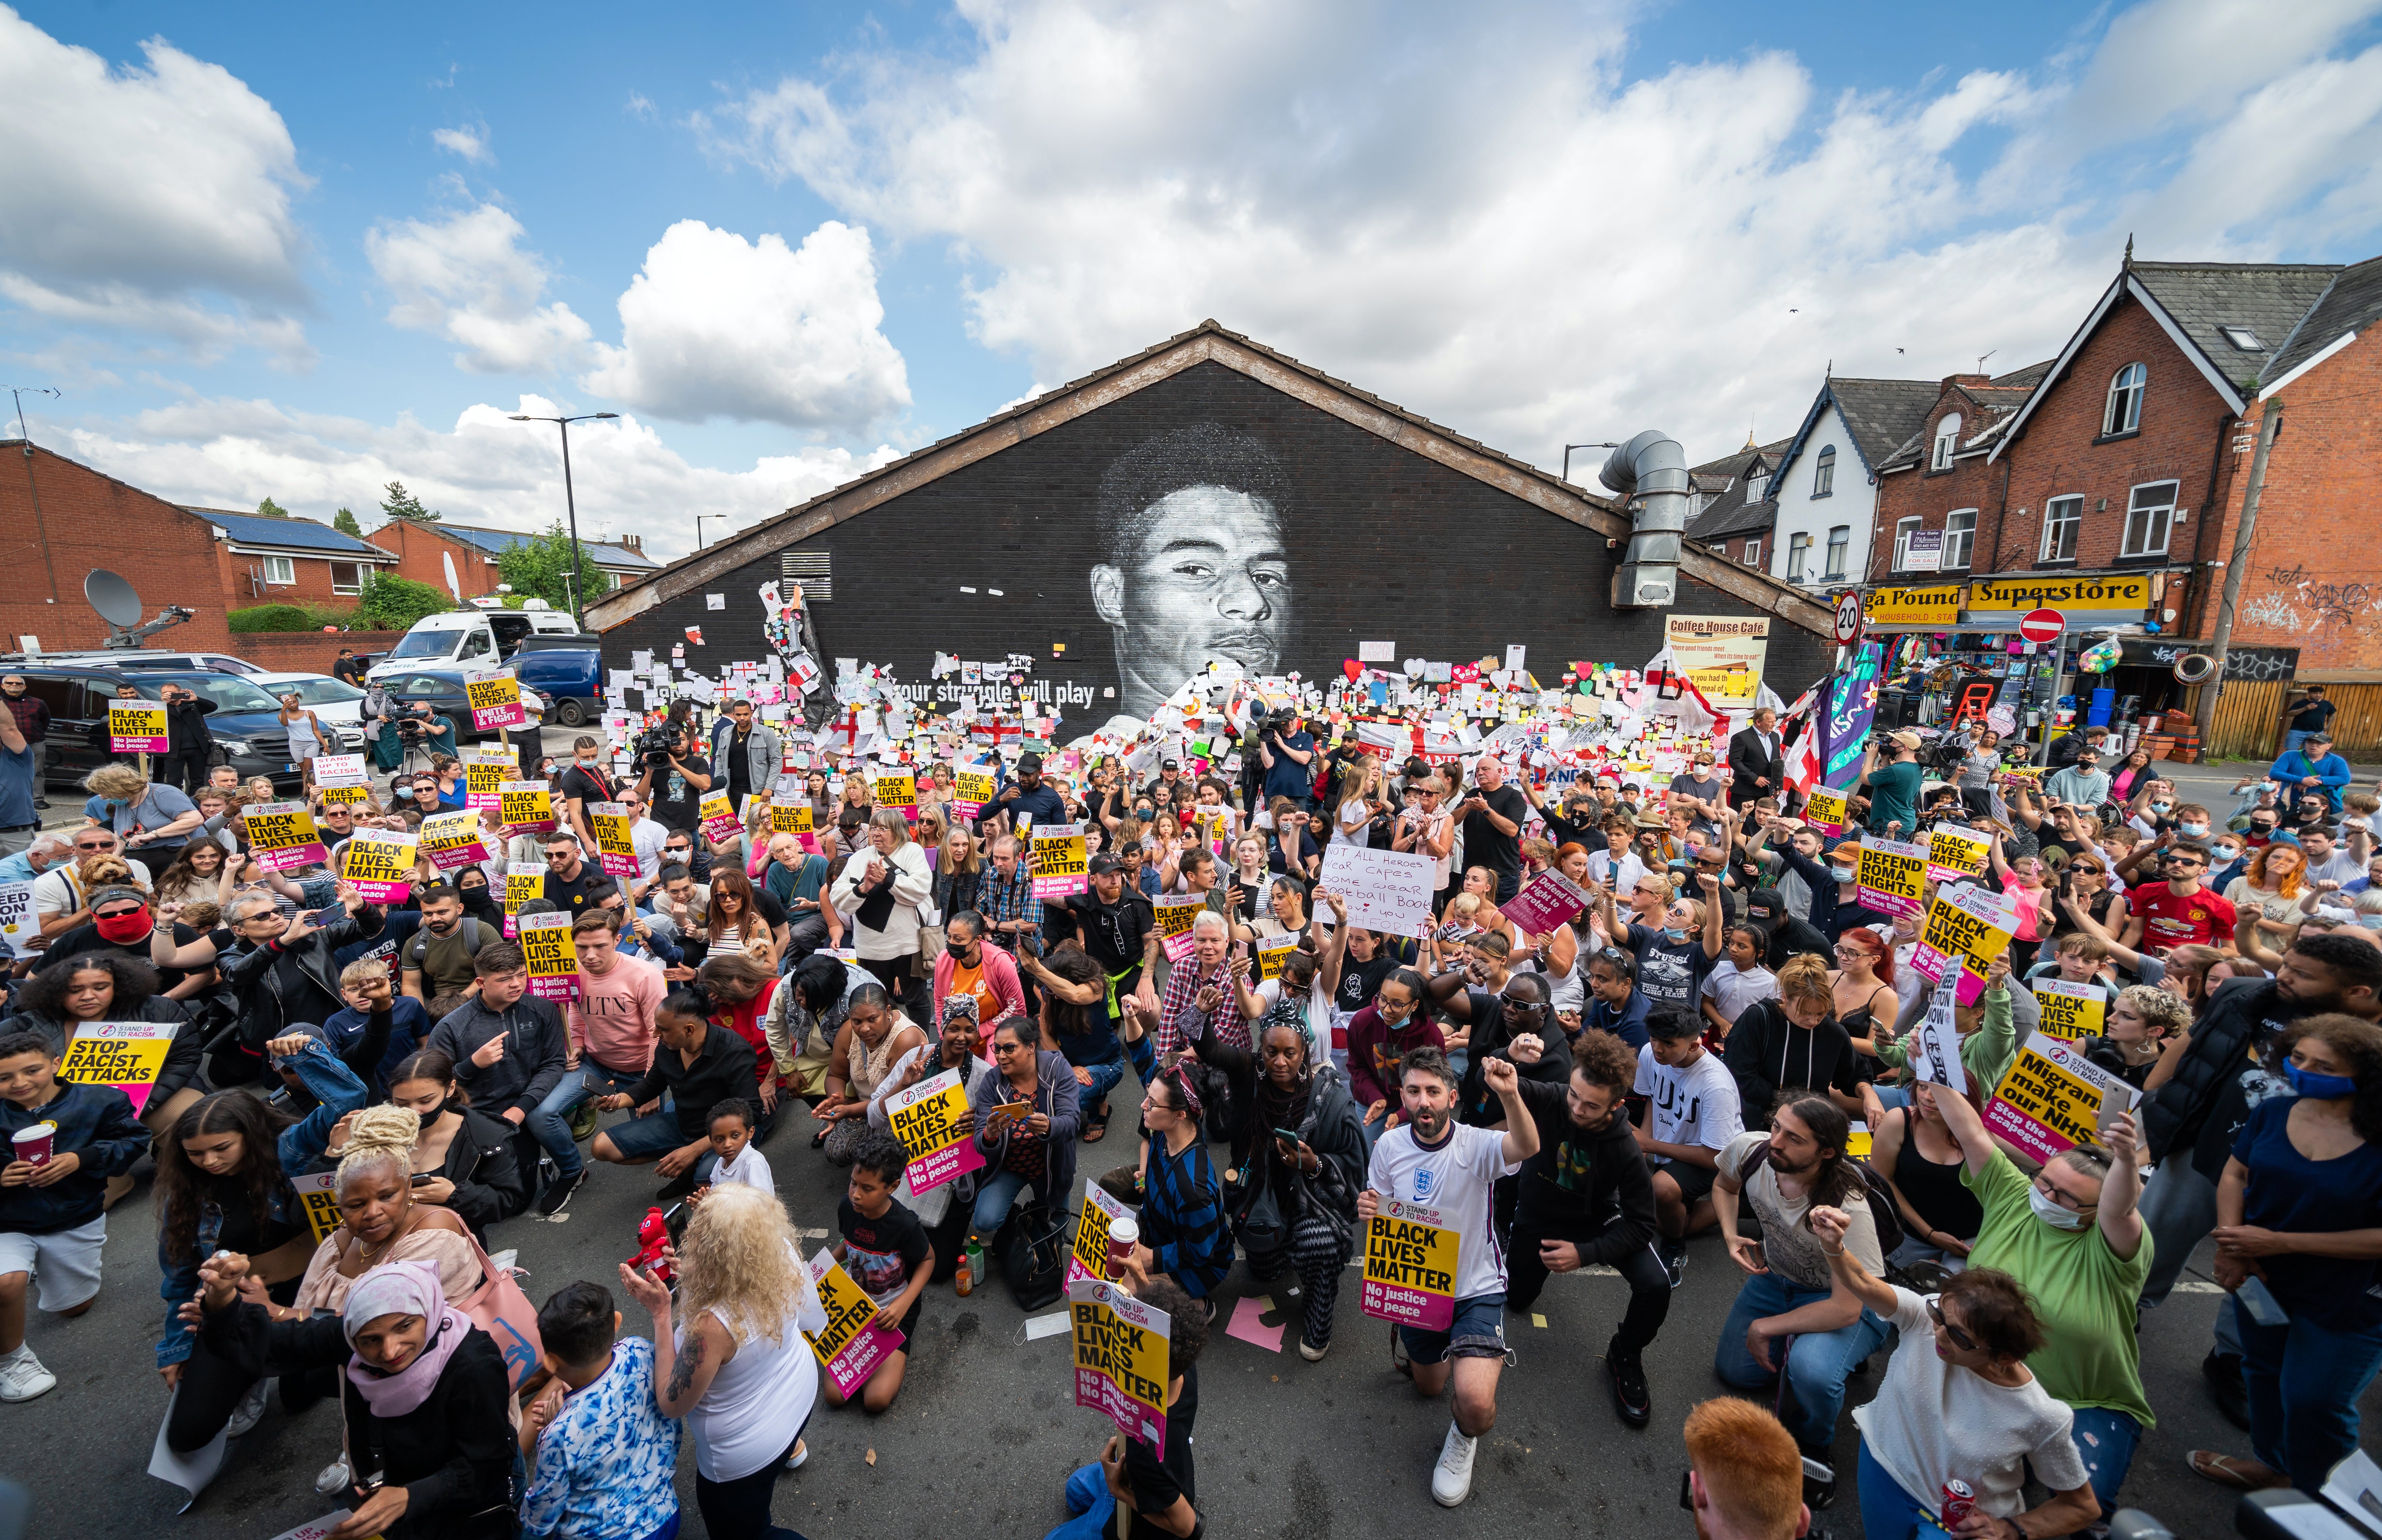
(472, 638)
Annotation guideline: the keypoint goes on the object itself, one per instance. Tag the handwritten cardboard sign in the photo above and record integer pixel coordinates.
(1385, 890)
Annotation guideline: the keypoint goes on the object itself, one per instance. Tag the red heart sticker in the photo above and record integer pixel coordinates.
(1351, 667)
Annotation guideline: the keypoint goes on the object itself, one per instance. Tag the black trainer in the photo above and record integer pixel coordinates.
(557, 1196)
(1632, 1400)
(1673, 1256)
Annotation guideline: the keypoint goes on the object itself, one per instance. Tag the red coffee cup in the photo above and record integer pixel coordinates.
(34, 1144)
(1124, 1234)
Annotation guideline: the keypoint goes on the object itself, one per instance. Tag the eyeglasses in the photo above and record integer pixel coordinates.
(562, 854)
(1960, 1340)
(94, 844)
(117, 913)
(2043, 1185)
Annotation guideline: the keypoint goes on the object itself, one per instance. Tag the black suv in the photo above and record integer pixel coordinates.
(245, 724)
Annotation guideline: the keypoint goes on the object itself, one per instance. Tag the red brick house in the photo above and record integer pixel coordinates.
(59, 520)
(426, 552)
(1937, 480)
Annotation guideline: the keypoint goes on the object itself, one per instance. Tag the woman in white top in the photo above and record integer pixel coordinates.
(879, 894)
(737, 1368)
(1428, 829)
(1958, 1403)
(308, 736)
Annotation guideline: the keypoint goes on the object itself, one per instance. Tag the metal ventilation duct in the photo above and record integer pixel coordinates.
(1650, 471)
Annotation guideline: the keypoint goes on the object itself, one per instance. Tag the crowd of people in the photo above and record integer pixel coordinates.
(1717, 1044)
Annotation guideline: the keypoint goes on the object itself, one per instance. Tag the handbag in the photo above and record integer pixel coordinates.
(499, 1308)
(1032, 1250)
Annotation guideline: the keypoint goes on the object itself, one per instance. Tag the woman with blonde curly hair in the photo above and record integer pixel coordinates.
(735, 1365)
(154, 821)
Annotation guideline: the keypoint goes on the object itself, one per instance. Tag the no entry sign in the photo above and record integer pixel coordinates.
(2042, 624)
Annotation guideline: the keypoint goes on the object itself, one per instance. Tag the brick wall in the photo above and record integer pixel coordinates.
(2062, 453)
(418, 551)
(243, 584)
(93, 520)
(1932, 495)
(2313, 578)
(1383, 544)
(303, 651)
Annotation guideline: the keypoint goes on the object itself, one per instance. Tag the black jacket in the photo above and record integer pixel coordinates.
(268, 1006)
(1749, 761)
(1579, 1181)
(186, 726)
(1766, 1053)
(726, 1066)
(453, 1454)
(2239, 1019)
(486, 1174)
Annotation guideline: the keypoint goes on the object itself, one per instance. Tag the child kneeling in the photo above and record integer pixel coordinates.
(886, 1250)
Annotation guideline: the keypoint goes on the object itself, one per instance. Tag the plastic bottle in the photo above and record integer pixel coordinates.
(971, 1266)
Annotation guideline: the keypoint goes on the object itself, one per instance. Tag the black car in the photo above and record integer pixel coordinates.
(245, 724)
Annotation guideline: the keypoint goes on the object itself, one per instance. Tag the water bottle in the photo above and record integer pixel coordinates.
(971, 1266)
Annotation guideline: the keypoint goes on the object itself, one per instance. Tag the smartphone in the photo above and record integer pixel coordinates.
(422, 1176)
(2260, 1302)
(1286, 1136)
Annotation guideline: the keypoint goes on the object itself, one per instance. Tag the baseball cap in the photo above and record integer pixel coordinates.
(1907, 738)
(1850, 851)
(1029, 761)
(1170, 764)
(1103, 864)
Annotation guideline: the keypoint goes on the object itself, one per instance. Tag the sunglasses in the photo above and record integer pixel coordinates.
(1960, 1340)
(115, 913)
(95, 845)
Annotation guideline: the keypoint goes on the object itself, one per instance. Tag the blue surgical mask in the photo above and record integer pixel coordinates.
(1843, 873)
(1675, 935)
(2194, 831)
(2161, 808)
(2322, 1088)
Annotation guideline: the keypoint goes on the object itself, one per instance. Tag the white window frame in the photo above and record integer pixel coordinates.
(1840, 545)
(1799, 556)
(1756, 484)
(1947, 438)
(279, 571)
(362, 572)
(1754, 553)
(2064, 513)
(2123, 412)
(1965, 533)
(2163, 512)
(1824, 471)
(1902, 530)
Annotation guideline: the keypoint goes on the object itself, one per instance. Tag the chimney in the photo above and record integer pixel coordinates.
(633, 543)
(1966, 380)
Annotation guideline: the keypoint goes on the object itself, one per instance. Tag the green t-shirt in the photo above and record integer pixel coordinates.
(2084, 1293)
(1893, 798)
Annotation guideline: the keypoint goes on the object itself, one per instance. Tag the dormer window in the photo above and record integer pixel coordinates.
(1756, 484)
(1948, 434)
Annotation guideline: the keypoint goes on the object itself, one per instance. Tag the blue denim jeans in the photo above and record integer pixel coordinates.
(1890, 1513)
(2106, 1439)
(1089, 1501)
(2304, 1381)
(1817, 1366)
(993, 1197)
(550, 1124)
(1104, 1080)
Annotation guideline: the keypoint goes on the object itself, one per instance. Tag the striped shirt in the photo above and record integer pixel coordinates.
(1182, 1220)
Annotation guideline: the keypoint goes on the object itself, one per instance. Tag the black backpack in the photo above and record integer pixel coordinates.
(1031, 1248)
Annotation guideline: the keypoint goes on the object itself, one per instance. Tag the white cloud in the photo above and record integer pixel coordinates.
(472, 143)
(466, 278)
(715, 325)
(229, 453)
(1487, 221)
(152, 199)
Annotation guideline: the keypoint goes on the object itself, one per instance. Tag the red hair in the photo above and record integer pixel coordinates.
(1882, 960)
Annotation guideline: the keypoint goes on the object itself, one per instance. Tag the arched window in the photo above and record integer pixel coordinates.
(1947, 434)
(2124, 414)
(1824, 476)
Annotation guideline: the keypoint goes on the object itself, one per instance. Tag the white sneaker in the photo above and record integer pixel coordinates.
(801, 1453)
(249, 1411)
(1451, 1481)
(22, 1377)
(336, 1477)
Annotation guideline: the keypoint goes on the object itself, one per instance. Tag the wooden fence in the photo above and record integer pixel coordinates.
(2248, 723)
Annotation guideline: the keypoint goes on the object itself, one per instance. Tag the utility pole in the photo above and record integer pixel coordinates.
(578, 582)
(2237, 568)
(41, 525)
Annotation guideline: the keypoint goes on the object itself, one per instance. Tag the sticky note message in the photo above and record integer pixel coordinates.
(1120, 1351)
(553, 961)
(496, 701)
(1410, 1267)
(2070, 1011)
(616, 841)
(851, 1345)
(2053, 1099)
(525, 807)
(282, 837)
(1893, 877)
(136, 728)
(125, 1055)
(379, 863)
(1969, 926)
(1061, 867)
(925, 1118)
(451, 840)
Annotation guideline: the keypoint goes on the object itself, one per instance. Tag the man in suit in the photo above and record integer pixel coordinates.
(1757, 762)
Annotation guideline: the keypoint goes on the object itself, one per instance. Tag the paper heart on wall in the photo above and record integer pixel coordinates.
(1351, 667)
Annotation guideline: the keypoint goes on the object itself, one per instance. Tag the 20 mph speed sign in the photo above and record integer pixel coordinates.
(1849, 617)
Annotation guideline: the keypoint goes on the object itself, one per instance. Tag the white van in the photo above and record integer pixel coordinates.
(472, 637)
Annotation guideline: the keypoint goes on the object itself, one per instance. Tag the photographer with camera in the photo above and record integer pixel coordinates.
(672, 778)
(1892, 777)
(1288, 755)
(420, 727)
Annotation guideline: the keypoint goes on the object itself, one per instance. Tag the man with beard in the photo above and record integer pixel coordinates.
(1434, 1162)
(437, 961)
(1787, 1317)
(1193, 568)
(1588, 1200)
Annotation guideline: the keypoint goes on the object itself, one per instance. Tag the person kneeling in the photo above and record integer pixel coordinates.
(1159, 1487)
(885, 1250)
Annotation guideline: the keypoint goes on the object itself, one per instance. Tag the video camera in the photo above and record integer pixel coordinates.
(655, 746)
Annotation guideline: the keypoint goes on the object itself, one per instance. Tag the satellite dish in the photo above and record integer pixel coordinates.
(113, 597)
(452, 586)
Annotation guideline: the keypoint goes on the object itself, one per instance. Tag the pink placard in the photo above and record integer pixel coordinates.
(1546, 901)
(383, 892)
(145, 745)
(292, 857)
(618, 865)
(860, 1357)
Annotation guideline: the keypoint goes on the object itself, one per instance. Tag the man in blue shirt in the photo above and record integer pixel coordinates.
(2312, 769)
(1028, 799)
(1287, 752)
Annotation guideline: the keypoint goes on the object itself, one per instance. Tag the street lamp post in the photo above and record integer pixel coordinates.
(578, 582)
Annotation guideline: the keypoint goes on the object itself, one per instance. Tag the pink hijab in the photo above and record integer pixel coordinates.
(402, 1289)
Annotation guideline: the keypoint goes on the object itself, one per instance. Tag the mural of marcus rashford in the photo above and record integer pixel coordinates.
(1193, 567)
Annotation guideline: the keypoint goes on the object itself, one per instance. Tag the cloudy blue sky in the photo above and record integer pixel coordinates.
(299, 250)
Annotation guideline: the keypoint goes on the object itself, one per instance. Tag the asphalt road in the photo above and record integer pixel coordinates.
(985, 1431)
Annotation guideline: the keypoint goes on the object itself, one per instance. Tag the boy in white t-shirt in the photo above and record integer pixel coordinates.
(1432, 1162)
(1739, 979)
(1693, 1110)
(739, 1160)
